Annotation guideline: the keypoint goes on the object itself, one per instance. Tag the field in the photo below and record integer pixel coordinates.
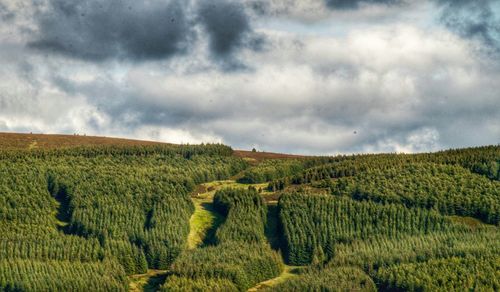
(105, 214)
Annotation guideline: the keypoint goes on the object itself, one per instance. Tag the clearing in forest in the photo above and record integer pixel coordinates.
(150, 281)
(288, 272)
(203, 223)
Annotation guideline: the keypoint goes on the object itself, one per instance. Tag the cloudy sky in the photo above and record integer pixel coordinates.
(301, 76)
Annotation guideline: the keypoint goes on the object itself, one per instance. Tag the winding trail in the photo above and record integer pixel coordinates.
(151, 281)
(203, 223)
(288, 272)
(272, 235)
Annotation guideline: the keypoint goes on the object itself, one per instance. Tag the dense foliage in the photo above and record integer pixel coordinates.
(481, 160)
(245, 213)
(28, 275)
(241, 255)
(75, 209)
(272, 169)
(176, 283)
(452, 190)
(409, 222)
(84, 218)
(451, 274)
(312, 224)
(330, 279)
(381, 251)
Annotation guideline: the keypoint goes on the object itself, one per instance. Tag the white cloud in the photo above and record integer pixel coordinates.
(178, 136)
(398, 86)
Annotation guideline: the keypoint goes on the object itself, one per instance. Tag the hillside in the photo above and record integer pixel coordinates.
(44, 141)
(84, 213)
(19, 141)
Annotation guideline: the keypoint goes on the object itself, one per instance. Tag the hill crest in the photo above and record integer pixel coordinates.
(26, 141)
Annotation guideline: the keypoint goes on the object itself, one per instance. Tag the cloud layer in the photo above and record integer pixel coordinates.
(352, 4)
(226, 23)
(96, 30)
(129, 30)
(331, 77)
(474, 19)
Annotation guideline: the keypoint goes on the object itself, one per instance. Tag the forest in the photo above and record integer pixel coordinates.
(104, 217)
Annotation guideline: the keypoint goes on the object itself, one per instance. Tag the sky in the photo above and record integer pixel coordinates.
(294, 76)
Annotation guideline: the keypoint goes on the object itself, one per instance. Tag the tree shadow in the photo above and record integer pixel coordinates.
(272, 228)
(154, 282)
(61, 195)
(210, 236)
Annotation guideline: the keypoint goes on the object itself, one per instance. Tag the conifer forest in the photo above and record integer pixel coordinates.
(164, 217)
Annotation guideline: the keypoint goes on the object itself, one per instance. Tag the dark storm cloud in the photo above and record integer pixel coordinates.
(93, 30)
(98, 30)
(226, 23)
(478, 19)
(315, 89)
(258, 6)
(5, 13)
(352, 4)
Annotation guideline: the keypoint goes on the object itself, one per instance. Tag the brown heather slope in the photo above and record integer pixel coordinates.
(259, 156)
(10, 141)
(33, 141)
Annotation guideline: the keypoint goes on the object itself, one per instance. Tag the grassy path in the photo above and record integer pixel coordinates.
(272, 235)
(33, 145)
(205, 220)
(203, 223)
(148, 282)
(288, 272)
